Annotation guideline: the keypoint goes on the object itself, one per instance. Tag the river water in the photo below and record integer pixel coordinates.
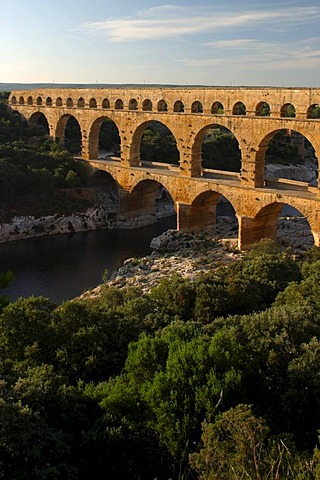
(62, 267)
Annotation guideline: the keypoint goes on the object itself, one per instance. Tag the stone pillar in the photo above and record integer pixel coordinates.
(252, 166)
(251, 230)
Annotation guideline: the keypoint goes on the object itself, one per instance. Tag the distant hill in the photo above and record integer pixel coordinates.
(7, 87)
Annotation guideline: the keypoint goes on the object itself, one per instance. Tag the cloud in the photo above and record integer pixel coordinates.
(170, 21)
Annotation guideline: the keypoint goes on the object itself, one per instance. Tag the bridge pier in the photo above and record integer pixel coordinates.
(198, 216)
(252, 230)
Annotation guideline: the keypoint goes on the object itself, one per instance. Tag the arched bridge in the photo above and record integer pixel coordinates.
(253, 115)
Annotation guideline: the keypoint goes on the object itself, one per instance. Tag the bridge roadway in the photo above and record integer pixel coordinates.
(253, 115)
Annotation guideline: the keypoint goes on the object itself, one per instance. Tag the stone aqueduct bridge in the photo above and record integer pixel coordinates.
(188, 113)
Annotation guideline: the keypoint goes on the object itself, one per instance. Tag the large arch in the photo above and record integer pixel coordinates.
(107, 191)
(154, 141)
(298, 145)
(40, 120)
(145, 200)
(203, 214)
(68, 133)
(216, 134)
(95, 141)
(266, 224)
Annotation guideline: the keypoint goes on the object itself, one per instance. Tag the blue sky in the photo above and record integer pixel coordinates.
(231, 42)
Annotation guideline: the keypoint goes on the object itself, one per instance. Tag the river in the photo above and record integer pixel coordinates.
(62, 267)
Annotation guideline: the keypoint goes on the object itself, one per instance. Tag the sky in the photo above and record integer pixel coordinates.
(178, 42)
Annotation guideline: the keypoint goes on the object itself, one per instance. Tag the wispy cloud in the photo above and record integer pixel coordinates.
(170, 21)
(237, 53)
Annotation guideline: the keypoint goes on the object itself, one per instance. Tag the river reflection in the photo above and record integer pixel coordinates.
(61, 267)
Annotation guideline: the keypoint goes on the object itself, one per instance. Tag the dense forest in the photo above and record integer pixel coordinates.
(215, 378)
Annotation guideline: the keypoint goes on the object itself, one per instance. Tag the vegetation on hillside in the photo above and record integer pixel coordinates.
(34, 171)
(213, 378)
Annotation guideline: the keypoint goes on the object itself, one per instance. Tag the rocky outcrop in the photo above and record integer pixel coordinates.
(27, 227)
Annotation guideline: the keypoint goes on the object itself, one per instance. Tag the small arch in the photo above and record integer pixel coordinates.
(105, 103)
(162, 106)
(133, 104)
(263, 109)
(92, 103)
(80, 102)
(178, 106)
(118, 104)
(59, 102)
(49, 102)
(288, 111)
(197, 107)
(21, 100)
(13, 100)
(239, 108)
(147, 105)
(217, 108)
(30, 101)
(313, 111)
(69, 102)
(39, 101)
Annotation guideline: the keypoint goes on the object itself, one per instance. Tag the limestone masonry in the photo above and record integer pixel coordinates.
(253, 115)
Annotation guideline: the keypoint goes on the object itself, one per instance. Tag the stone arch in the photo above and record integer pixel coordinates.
(133, 104)
(118, 104)
(178, 106)
(162, 137)
(217, 108)
(30, 100)
(59, 102)
(239, 108)
(162, 106)
(212, 131)
(69, 102)
(204, 212)
(40, 120)
(313, 111)
(147, 105)
(21, 100)
(69, 133)
(196, 107)
(298, 144)
(145, 197)
(105, 103)
(39, 101)
(49, 102)
(13, 100)
(80, 102)
(288, 111)
(263, 109)
(92, 103)
(107, 191)
(112, 140)
(266, 223)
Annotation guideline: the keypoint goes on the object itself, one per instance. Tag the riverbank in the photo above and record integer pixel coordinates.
(189, 255)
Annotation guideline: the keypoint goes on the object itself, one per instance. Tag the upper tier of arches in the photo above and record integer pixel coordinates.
(276, 102)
